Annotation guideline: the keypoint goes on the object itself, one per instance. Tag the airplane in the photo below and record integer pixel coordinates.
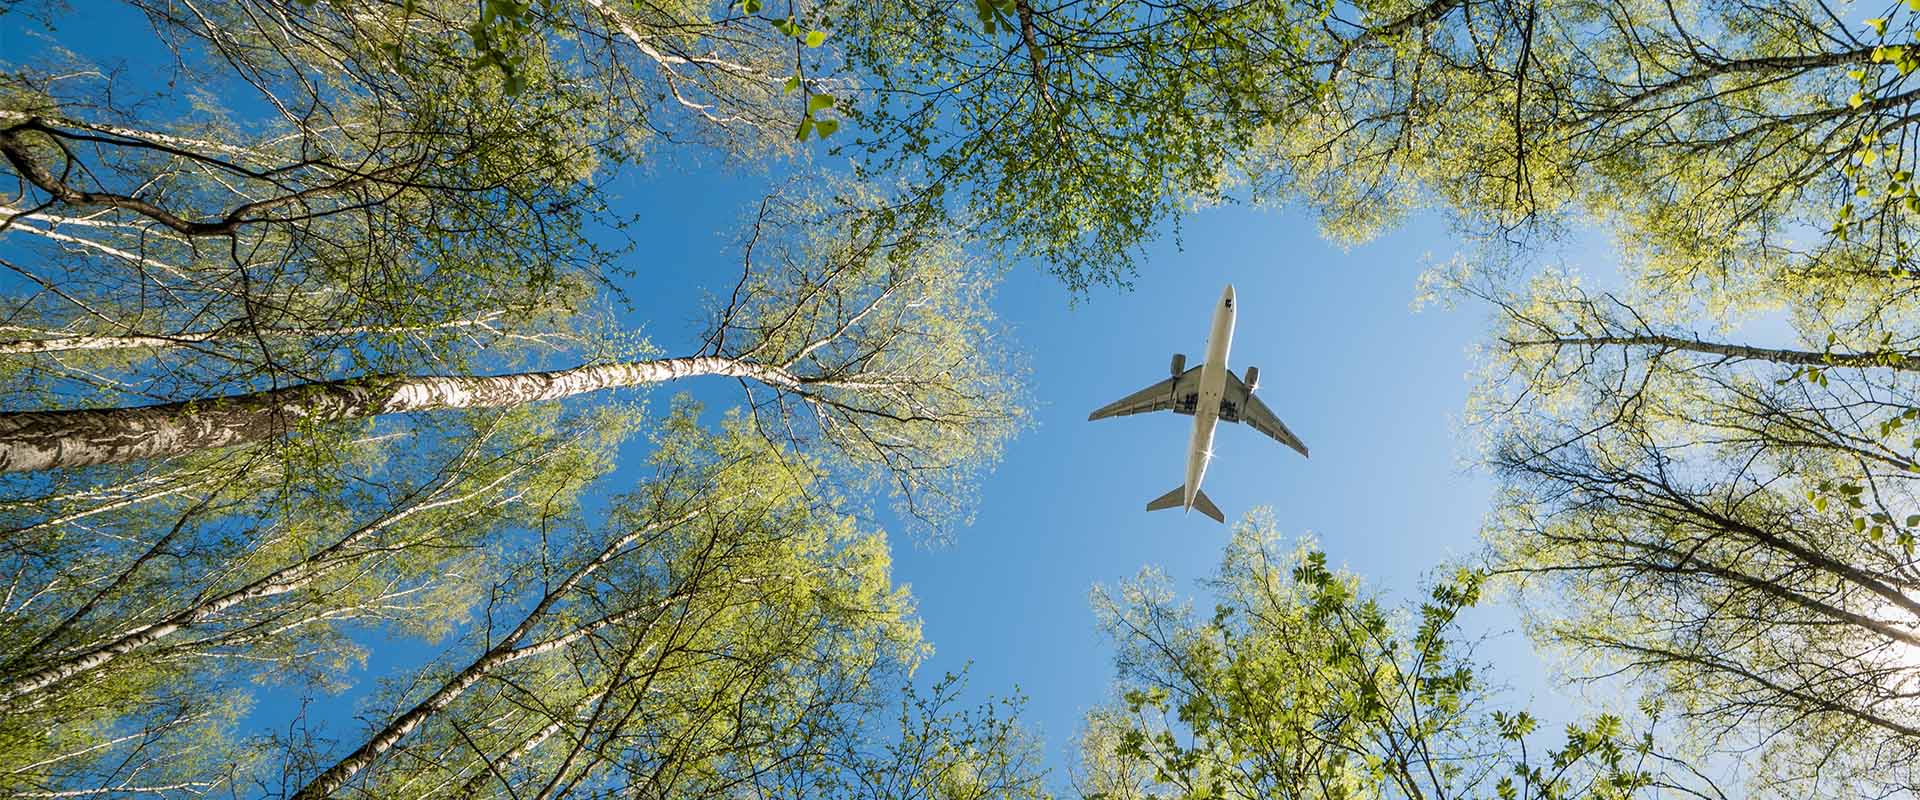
(1210, 393)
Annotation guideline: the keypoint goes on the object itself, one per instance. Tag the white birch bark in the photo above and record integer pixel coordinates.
(41, 440)
(1890, 359)
(56, 342)
(21, 690)
(507, 651)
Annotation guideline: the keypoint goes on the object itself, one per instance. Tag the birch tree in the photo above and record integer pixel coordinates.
(339, 333)
(142, 618)
(1302, 683)
(1710, 138)
(866, 331)
(1722, 517)
(900, 383)
(714, 619)
(721, 627)
(415, 191)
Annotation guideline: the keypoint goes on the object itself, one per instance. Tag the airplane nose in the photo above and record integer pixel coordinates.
(1229, 291)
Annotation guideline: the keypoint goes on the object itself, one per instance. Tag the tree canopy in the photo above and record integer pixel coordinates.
(311, 327)
(1302, 683)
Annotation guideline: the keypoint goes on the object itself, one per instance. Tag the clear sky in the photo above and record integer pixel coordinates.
(1373, 387)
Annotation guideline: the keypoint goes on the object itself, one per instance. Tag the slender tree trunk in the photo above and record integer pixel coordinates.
(508, 650)
(40, 440)
(18, 691)
(1890, 359)
(55, 343)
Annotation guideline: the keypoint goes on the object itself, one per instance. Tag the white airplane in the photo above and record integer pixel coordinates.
(1210, 393)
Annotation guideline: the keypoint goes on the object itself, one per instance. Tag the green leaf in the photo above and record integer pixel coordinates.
(816, 38)
(826, 127)
(1856, 100)
(984, 9)
(806, 127)
(1878, 24)
(791, 84)
(819, 102)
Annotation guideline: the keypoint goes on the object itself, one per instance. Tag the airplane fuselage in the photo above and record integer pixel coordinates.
(1213, 384)
(1212, 394)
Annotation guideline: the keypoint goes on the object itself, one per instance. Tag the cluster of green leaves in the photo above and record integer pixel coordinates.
(1881, 78)
(885, 317)
(158, 604)
(790, 26)
(736, 621)
(1302, 684)
(1729, 523)
(1072, 133)
(498, 37)
(996, 14)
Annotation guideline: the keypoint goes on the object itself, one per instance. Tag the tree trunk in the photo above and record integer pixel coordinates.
(40, 440)
(1890, 359)
(47, 342)
(281, 581)
(508, 650)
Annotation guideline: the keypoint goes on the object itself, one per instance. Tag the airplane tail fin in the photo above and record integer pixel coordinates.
(1177, 498)
(1205, 505)
(1172, 499)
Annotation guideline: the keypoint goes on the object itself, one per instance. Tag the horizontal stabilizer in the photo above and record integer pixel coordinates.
(1173, 499)
(1205, 505)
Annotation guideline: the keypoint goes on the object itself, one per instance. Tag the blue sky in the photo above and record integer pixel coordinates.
(1372, 386)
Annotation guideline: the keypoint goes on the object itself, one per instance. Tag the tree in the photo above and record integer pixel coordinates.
(1730, 524)
(722, 626)
(142, 615)
(1072, 132)
(1706, 138)
(415, 204)
(717, 618)
(389, 203)
(1301, 684)
(868, 330)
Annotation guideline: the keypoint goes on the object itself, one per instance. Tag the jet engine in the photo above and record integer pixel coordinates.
(1179, 366)
(1253, 379)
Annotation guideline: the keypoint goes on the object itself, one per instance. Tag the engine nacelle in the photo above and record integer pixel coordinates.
(1179, 366)
(1253, 379)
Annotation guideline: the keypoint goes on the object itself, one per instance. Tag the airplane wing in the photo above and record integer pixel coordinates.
(1256, 415)
(1178, 395)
